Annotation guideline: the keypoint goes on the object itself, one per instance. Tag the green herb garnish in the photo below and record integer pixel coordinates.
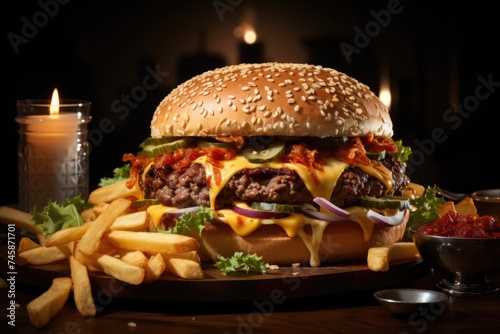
(425, 209)
(240, 262)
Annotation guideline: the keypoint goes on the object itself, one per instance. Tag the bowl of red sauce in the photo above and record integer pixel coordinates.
(466, 249)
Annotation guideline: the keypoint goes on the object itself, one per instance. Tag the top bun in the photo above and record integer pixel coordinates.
(272, 99)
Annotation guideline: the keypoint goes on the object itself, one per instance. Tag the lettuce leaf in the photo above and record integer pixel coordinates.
(55, 217)
(119, 174)
(403, 153)
(191, 220)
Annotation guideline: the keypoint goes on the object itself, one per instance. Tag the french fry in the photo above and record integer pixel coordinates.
(26, 244)
(120, 270)
(137, 221)
(136, 258)
(62, 237)
(82, 290)
(106, 248)
(380, 257)
(154, 268)
(192, 255)
(45, 255)
(113, 191)
(184, 268)
(90, 240)
(446, 207)
(21, 219)
(89, 261)
(98, 208)
(43, 308)
(88, 215)
(466, 207)
(152, 242)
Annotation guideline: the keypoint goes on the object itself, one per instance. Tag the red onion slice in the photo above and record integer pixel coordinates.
(252, 213)
(380, 219)
(331, 207)
(178, 212)
(311, 212)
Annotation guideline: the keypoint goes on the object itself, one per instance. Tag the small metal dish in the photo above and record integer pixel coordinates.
(487, 202)
(403, 301)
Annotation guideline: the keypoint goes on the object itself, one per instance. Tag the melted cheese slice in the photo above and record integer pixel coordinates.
(293, 224)
(323, 188)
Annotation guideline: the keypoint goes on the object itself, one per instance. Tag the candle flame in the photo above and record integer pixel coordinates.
(54, 103)
(385, 90)
(250, 36)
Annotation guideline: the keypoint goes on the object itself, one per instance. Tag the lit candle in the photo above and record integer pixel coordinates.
(53, 151)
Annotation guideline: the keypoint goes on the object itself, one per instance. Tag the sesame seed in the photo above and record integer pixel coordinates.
(245, 88)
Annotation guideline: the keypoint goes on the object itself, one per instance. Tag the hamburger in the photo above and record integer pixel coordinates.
(296, 162)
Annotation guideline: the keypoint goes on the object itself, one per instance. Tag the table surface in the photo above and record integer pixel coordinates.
(353, 312)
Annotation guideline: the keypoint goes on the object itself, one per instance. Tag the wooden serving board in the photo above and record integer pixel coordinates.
(285, 282)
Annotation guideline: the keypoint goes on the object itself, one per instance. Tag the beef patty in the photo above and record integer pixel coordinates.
(188, 187)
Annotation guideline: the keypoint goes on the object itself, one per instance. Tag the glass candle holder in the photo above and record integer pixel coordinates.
(53, 152)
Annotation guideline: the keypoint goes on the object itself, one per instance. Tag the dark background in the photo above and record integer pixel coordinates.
(434, 54)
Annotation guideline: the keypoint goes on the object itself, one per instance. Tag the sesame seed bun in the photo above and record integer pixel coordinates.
(280, 99)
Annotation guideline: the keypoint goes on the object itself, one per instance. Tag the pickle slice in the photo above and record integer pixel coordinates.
(387, 202)
(220, 144)
(152, 151)
(157, 141)
(276, 207)
(272, 152)
(146, 201)
(375, 156)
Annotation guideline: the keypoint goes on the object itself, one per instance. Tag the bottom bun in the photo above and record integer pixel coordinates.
(342, 242)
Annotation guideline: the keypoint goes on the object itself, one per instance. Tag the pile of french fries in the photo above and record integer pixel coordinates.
(115, 239)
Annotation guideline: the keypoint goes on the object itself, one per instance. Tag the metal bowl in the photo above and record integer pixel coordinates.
(467, 263)
(401, 301)
(487, 202)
